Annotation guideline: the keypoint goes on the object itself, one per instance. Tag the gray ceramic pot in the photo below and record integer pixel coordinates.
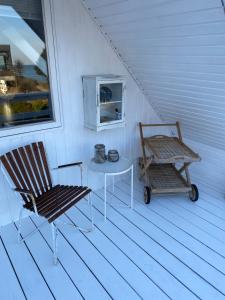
(113, 155)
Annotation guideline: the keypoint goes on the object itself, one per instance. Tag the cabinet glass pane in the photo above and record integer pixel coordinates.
(111, 92)
(110, 112)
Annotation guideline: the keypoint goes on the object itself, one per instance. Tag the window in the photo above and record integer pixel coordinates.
(25, 96)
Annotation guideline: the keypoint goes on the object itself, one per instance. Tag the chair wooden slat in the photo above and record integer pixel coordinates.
(32, 160)
(53, 217)
(30, 173)
(22, 169)
(17, 173)
(12, 175)
(59, 200)
(51, 197)
(16, 170)
(64, 201)
(45, 163)
(40, 165)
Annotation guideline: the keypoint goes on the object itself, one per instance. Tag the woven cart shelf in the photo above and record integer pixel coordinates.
(158, 165)
(169, 150)
(166, 179)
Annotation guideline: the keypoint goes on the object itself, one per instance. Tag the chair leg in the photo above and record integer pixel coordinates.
(19, 225)
(54, 242)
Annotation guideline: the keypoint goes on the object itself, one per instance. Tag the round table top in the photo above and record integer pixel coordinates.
(110, 167)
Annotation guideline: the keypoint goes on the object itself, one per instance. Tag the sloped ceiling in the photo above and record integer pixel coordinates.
(176, 51)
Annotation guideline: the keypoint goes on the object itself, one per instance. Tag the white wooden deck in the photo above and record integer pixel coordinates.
(171, 249)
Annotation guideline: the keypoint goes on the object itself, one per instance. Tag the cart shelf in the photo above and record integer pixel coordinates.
(167, 149)
(166, 179)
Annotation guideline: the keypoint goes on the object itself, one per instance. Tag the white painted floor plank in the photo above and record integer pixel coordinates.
(193, 261)
(173, 288)
(176, 267)
(26, 269)
(58, 281)
(117, 287)
(196, 210)
(130, 272)
(84, 279)
(10, 288)
(160, 204)
(176, 233)
(170, 249)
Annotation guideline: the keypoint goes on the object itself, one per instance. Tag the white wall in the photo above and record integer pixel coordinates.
(176, 49)
(81, 49)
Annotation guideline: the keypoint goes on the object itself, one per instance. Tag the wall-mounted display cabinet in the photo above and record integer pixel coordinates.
(104, 97)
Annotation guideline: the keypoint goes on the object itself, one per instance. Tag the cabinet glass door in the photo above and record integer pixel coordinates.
(111, 101)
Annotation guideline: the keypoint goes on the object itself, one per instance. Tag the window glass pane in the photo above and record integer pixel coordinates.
(24, 83)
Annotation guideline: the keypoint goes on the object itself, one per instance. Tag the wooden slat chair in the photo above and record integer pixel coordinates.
(28, 169)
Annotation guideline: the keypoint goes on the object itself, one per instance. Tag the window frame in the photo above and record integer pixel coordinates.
(53, 73)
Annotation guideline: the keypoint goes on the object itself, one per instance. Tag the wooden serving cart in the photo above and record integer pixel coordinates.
(161, 155)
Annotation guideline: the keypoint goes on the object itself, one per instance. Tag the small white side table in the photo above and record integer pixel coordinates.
(113, 169)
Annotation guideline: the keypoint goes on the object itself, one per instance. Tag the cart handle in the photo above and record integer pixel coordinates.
(159, 136)
(157, 125)
(177, 125)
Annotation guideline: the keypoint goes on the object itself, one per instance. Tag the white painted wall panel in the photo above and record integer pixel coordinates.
(176, 51)
(81, 50)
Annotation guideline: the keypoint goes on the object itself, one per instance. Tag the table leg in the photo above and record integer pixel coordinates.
(105, 198)
(132, 188)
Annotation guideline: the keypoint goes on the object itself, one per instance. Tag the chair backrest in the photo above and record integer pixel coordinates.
(28, 168)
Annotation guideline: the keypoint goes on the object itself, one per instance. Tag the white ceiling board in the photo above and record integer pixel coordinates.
(176, 51)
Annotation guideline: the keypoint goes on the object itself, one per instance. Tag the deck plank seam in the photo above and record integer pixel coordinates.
(179, 242)
(185, 264)
(151, 255)
(200, 217)
(107, 260)
(165, 207)
(14, 270)
(42, 275)
(69, 243)
(58, 260)
(125, 253)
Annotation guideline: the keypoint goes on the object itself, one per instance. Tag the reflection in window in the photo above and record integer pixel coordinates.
(24, 85)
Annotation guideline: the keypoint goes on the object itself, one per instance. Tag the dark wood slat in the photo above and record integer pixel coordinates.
(59, 200)
(40, 165)
(30, 173)
(17, 173)
(44, 159)
(63, 202)
(22, 169)
(64, 209)
(48, 200)
(32, 160)
(49, 193)
(11, 174)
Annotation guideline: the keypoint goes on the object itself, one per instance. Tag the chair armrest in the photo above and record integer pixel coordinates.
(75, 164)
(23, 191)
(71, 165)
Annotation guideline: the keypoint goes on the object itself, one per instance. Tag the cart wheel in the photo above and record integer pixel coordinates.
(147, 195)
(194, 194)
